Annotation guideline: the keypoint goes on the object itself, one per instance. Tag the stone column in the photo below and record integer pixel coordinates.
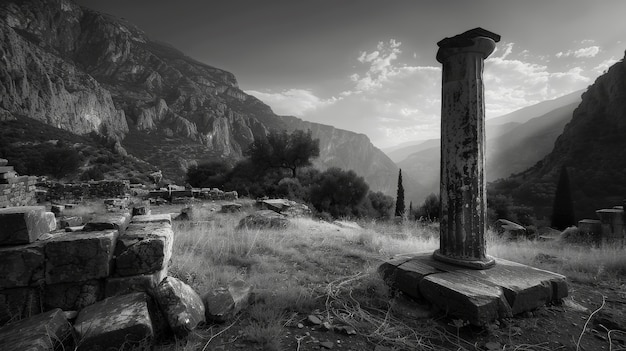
(463, 191)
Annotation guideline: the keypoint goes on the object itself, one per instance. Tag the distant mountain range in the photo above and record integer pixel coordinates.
(87, 72)
(515, 142)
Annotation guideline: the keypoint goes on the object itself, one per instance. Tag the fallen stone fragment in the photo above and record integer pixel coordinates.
(143, 249)
(182, 306)
(52, 221)
(346, 329)
(79, 256)
(22, 225)
(231, 207)
(117, 220)
(327, 326)
(45, 331)
(327, 344)
(141, 210)
(72, 221)
(155, 218)
(57, 209)
(222, 304)
(116, 323)
(264, 219)
(21, 265)
(314, 319)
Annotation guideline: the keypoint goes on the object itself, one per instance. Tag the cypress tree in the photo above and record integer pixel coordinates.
(563, 207)
(400, 196)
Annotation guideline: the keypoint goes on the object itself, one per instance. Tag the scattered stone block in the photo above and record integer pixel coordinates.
(57, 209)
(510, 230)
(75, 229)
(231, 207)
(182, 306)
(52, 221)
(137, 283)
(144, 248)
(141, 210)
(46, 332)
(19, 303)
(4, 162)
(22, 225)
(73, 296)
(222, 304)
(21, 266)
(79, 256)
(73, 221)
(116, 323)
(118, 221)
(264, 219)
(155, 218)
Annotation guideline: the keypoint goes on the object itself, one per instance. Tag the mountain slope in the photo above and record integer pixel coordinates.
(592, 147)
(85, 72)
(511, 147)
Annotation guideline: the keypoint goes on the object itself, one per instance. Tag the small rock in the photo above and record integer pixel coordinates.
(300, 325)
(327, 344)
(327, 326)
(314, 320)
(346, 329)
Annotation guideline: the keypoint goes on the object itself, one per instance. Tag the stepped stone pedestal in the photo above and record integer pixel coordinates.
(460, 278)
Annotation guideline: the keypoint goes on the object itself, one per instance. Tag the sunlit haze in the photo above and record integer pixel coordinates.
(369, 66)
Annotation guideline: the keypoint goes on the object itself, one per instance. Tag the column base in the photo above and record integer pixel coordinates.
(488, 262)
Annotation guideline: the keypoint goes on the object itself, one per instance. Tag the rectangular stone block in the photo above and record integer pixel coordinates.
(73, 296)
(73, 221)
(4, 162)
(5, 169)
(155, 218)
(144, 248)
(79, 256)
(8, 175)
(14, 180)
(22, 225)
(116, 323)
(19, 303)
(117, 220)
(21, 266)
(43, 332)
(138, 283)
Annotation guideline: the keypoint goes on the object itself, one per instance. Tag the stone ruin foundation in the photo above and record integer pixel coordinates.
(460, 278)
(110, 278)
(15, 190)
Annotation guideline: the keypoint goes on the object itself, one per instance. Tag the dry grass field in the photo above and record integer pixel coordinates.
(316, 267)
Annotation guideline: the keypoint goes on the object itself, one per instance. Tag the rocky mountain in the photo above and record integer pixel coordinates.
(593, 149)
(88, 72)
(514, 142)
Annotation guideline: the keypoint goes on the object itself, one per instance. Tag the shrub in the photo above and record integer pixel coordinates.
(208, 175)
(339, 192)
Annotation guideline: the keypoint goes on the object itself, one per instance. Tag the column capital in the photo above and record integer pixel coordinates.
(475, 40)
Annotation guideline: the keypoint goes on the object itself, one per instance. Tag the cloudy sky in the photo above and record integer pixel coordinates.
(369, 65)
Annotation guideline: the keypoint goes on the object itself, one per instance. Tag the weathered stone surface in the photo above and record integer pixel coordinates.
(476, 301)
(182, 306)
(22, 225)
(285, 207)
(52, 221)
(478, 296)
(137, 283)
(155, 218)
(116, 323)
(21, 266)
(44, 332)
(463, 199)
(79, 256)
(3, 161)
(221, 304)
(73, 296)
(231, 207)
(264, 219)
(57, 209)
(509, 230)
(19, 303)
(118, 221)
(141, 210)
(144, 248)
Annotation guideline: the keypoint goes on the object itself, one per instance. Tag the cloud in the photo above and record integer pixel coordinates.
(292, 102)
(591, 51)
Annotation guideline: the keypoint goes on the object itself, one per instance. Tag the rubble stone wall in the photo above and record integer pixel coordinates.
(92, 189)
(15, 190)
